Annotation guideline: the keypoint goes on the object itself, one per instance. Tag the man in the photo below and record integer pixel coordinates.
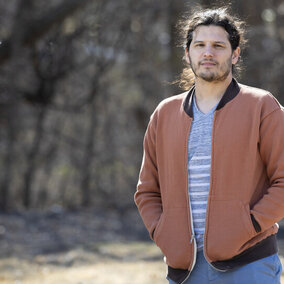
(211, 185)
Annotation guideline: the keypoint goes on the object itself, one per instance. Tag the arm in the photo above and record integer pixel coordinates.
(148, 196)
(269, 209)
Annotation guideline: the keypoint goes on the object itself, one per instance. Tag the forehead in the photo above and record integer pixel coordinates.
(210, 33)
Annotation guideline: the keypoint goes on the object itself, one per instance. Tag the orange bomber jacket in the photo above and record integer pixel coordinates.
(247, 179)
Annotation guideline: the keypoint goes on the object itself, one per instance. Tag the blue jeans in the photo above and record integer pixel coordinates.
(264, 271)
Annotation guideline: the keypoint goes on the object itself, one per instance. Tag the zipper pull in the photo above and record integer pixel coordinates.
(192, 238)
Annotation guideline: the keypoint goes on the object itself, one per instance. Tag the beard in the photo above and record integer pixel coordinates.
(220, 73)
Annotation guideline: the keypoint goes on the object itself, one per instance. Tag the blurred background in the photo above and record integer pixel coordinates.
(78, 82)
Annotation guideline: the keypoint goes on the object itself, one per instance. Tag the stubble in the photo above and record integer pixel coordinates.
(220, 73)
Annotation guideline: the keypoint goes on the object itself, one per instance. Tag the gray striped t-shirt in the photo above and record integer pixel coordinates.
(199, 165)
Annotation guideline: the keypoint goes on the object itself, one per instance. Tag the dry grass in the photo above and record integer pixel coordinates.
(104, 263)
(104, 273)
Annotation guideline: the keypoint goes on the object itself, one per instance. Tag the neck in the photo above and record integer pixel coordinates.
(209, 94)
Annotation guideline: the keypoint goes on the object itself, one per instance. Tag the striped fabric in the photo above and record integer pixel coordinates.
(199, 165)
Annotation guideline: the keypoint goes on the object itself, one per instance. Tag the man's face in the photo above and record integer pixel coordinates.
(210, 54)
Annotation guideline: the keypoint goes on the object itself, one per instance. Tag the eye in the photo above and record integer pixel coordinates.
(218, 46)
(199, 44)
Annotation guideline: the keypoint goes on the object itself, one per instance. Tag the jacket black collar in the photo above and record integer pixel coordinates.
(231, 92)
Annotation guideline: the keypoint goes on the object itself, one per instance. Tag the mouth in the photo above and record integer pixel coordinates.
(208, 63)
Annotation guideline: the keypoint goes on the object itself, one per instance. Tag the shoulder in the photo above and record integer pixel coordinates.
(258, 94)
(170, 104)
(259, 98)
(172, 101)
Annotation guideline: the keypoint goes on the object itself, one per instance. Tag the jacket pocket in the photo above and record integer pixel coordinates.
(229, 228)
(172, 237)
(157, 229)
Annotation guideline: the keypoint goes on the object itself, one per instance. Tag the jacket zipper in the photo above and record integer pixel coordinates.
(192, 239)
(206, 221)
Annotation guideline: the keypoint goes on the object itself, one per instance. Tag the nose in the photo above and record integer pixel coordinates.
(208, 52)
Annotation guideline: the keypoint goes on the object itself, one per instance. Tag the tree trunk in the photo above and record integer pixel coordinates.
(7, 168)
(31, 159)
(88, 156)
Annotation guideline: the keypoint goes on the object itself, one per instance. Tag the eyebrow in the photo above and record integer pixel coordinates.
(200, 41)
(222, 42)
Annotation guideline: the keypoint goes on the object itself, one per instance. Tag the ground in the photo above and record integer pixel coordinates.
(79, 247)
(109, 263)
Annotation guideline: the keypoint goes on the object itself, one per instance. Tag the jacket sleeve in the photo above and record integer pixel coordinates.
(148, 196)
(269, 209)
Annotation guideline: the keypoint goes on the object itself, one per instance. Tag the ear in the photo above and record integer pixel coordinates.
(186, 55)
(236, 55)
